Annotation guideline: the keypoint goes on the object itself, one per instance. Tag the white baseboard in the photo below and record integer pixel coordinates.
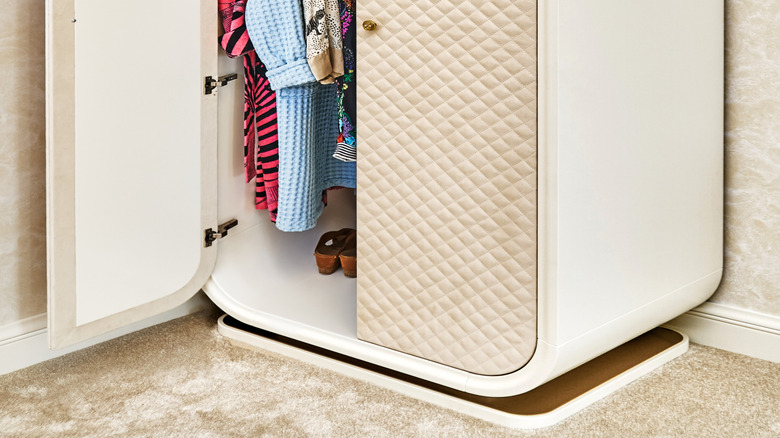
(32, 347)
(741, 331)
(22, 327)
(732, 329)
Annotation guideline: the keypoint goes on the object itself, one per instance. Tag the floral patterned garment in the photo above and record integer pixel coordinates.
(346, 92)
(323, 39)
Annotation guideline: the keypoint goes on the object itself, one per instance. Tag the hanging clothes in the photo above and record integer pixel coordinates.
(323, 39)
(261, 146)
(307, 114)
(346, 86)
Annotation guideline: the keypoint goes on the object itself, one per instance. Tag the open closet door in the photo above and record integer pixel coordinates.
(131, 160)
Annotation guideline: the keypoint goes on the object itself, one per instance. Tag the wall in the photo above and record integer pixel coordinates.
(752, 258)
(22, 161)
(752, 237)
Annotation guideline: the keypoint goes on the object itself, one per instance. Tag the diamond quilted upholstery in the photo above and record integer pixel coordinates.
(447, 180)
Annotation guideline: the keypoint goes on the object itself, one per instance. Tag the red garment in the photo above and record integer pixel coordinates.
(260, 128)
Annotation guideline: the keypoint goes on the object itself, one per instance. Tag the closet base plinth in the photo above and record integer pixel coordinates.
(541, 407)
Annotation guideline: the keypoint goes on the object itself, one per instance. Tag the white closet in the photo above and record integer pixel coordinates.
(142, 162)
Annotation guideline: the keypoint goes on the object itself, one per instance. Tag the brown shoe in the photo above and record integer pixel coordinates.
(348, 256)
(329, 247)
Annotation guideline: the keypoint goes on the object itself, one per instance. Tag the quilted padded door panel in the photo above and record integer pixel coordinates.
(447, 180)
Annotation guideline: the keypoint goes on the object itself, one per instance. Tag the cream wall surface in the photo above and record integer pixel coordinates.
(752, 258)
(22, 161)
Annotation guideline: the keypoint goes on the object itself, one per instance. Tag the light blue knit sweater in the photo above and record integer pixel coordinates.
(307, 114)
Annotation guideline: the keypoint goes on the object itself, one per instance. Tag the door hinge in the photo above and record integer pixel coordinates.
(211, 83)
(221, 232)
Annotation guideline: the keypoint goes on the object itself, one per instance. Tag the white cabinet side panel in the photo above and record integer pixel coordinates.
(136, 158)
(640, 138)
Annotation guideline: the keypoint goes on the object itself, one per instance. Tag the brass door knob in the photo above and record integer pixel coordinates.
(369, 25)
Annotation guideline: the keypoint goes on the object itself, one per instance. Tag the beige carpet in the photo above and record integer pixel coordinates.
(181, 379)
